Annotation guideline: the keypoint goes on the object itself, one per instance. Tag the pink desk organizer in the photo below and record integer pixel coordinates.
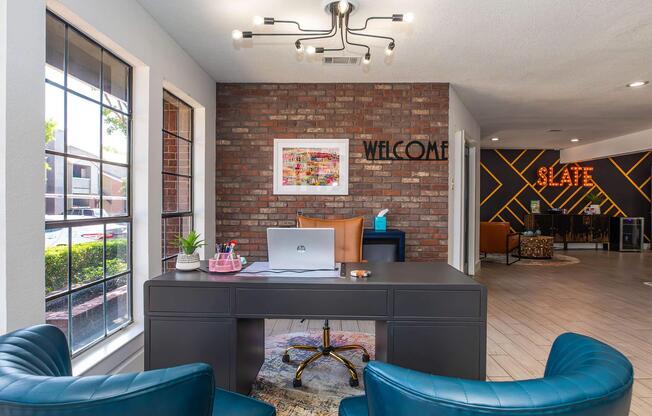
(225, 263)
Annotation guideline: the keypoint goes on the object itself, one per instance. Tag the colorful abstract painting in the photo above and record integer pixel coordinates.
(311, 167)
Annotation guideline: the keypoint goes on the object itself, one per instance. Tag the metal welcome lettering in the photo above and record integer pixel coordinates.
(402, 150)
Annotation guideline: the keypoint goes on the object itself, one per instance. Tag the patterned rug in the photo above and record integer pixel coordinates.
(324, 383)
(556, 261)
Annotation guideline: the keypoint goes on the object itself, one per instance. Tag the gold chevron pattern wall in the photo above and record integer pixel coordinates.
(509, 184)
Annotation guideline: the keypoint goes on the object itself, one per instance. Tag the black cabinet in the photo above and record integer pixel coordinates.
(571, 228)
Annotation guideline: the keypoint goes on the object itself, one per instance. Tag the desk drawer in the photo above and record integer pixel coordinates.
(189, 299)
(309, 302)
(438, 304)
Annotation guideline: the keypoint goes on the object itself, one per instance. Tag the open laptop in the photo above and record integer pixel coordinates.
(301, 248)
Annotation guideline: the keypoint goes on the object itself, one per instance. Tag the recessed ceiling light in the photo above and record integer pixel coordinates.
(575, 140)
(636, 84)
(495, 139)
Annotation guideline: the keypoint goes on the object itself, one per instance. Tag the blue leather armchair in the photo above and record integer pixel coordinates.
(35, 380)
(583, 377)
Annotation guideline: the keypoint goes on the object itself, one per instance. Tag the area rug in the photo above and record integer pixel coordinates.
(324, 383)
(556, 261)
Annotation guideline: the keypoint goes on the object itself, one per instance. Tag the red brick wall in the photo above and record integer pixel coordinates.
(251, 116)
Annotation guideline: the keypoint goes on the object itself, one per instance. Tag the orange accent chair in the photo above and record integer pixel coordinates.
(496, 237)
(348, 236)
(348, 249)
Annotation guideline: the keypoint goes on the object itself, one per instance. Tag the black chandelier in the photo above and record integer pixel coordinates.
(340, 12)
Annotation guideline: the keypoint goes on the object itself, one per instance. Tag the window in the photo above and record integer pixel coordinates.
(177, 175)
(87, 187)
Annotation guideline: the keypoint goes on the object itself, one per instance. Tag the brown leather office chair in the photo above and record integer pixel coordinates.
(496, 237)
(348, 249)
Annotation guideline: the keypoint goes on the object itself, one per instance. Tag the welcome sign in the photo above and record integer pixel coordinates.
(405, 150)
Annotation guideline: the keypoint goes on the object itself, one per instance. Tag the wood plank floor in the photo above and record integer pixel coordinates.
(529, 306)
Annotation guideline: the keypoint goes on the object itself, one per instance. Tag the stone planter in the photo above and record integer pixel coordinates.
(187, 262)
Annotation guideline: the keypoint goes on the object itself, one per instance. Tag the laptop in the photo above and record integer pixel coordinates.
(301, 248)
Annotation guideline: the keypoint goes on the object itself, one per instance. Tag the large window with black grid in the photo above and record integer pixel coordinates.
(177, 175)
(87, 171)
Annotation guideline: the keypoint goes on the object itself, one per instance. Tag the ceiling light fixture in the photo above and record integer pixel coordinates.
(637, 84)
(495, 139)
(575, 140)
(340, 11)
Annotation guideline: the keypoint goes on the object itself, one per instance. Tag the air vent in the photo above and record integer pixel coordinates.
(341, 60)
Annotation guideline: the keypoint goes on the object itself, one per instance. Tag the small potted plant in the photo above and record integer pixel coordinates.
(594, 199)
(188, 258)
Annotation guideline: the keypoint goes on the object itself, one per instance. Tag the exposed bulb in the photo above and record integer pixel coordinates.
(299, 46)
(389, 50)
(310, 50)
(258, 20)
(367, 58)
(236, 34)
(408, 17)
(343, 6)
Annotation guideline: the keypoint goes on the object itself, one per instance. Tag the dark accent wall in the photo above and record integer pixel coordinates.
(508, 184)
(251, 116)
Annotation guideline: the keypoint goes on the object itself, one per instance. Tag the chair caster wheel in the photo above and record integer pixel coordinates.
(286, 358)
(365, 358)
(296, 383)
(353, 382)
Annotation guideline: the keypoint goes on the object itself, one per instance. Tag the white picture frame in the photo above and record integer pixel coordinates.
(332, 178)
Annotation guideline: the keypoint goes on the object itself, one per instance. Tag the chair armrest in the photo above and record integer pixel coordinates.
(184, 390)
(511, 239)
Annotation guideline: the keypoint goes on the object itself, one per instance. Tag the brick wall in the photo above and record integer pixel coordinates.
(251, 116)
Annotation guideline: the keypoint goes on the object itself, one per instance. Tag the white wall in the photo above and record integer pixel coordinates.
(22, 111)
(462, 127)
(129, 31)
(639, 141)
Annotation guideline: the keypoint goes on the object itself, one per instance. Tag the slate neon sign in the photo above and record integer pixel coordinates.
(573, 176)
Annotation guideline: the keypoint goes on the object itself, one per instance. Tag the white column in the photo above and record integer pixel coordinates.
(22, 147)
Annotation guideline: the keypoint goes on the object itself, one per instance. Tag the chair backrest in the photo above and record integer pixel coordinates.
(583, 377)
(35, 380)
(493, 236)
(37, 351)
(348, 236)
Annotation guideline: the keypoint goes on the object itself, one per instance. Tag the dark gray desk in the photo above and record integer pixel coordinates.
(429, 317)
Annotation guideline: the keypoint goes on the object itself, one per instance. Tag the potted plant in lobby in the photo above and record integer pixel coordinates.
(594, 199)
(188, 258)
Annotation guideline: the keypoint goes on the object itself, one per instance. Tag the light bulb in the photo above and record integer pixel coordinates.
(343, 6)
(258, 20)
(367, 58)
(389, 50)
(311, 50)
(236, 34)
(408, 17)
(299, 46)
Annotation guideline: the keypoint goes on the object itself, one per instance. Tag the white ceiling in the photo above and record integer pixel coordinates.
(522, 67)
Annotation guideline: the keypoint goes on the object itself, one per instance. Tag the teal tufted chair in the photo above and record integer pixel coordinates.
(35, 380)
(583, 377)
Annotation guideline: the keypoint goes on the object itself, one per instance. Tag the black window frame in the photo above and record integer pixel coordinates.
(69, 224)
(178, 214)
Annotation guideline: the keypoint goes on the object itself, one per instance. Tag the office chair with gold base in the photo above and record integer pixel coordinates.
(348, 249)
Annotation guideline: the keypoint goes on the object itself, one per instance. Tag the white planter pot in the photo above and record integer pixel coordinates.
(187, 262)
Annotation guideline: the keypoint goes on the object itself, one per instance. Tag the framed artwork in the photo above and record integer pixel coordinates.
(311, 166)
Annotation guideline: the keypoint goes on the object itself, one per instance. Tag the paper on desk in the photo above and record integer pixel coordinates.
(261, 268)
